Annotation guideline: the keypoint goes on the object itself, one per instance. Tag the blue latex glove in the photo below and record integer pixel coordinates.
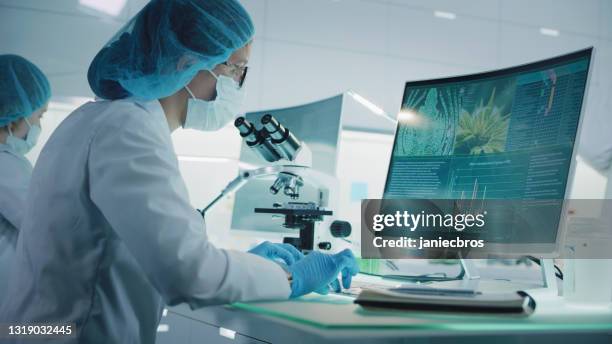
(317, 271)
(286, 252)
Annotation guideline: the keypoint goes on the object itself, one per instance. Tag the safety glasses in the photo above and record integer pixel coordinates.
(237, 72)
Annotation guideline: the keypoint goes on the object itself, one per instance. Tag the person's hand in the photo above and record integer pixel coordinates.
(317, 271)
(286, 252)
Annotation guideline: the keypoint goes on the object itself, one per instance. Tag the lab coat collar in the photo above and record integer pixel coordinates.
(154, 107)
(6, 148)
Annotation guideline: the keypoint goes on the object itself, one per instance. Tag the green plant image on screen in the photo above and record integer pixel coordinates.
(482, 131)
(462, 119)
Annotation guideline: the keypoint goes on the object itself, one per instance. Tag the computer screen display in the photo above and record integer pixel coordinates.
(506, 134)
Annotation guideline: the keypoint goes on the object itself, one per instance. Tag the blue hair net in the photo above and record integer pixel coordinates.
(166, 44)
(23, 88)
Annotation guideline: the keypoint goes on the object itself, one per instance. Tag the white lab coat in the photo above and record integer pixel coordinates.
(15, 173)
(595, 145)
(109, 235)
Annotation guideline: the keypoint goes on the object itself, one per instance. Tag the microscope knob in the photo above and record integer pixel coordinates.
(340, 229)
(325, 245)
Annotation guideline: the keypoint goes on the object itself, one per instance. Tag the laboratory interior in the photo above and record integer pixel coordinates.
(305, 171)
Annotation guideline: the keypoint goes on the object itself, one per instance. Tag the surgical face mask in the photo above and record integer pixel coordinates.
(21, 146)
(214, 115)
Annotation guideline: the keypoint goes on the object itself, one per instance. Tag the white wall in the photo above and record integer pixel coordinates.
(310, 49)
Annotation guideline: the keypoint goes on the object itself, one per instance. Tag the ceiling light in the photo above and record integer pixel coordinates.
(377, 110)
(109, 7)
(549, 32)
(445, 15)
(361, 100)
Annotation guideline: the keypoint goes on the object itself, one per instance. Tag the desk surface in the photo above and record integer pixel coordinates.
(339, 312)
(336, 316)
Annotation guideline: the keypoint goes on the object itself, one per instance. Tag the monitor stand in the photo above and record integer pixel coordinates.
(470, 275)
(548, 275)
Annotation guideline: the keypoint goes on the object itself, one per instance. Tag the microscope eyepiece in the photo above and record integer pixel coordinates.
(273, 141)
(244, 127)
(273, 127)
(286, 143)
(267, 118)
(256, 139)
(239, 121)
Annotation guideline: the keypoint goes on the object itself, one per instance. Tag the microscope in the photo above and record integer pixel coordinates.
(290, 164)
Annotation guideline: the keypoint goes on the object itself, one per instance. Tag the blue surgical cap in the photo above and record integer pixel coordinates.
(24, 89)
(166, 44)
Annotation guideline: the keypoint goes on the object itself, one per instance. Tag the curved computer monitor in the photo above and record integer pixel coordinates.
(506, 134)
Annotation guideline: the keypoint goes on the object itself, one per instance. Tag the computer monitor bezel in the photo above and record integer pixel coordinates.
(547, 250)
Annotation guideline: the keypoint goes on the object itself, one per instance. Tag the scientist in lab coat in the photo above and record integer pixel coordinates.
(595, 145)
(24, 95)
(109, 236)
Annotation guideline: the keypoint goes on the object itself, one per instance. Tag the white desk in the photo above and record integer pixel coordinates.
(335, 319)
